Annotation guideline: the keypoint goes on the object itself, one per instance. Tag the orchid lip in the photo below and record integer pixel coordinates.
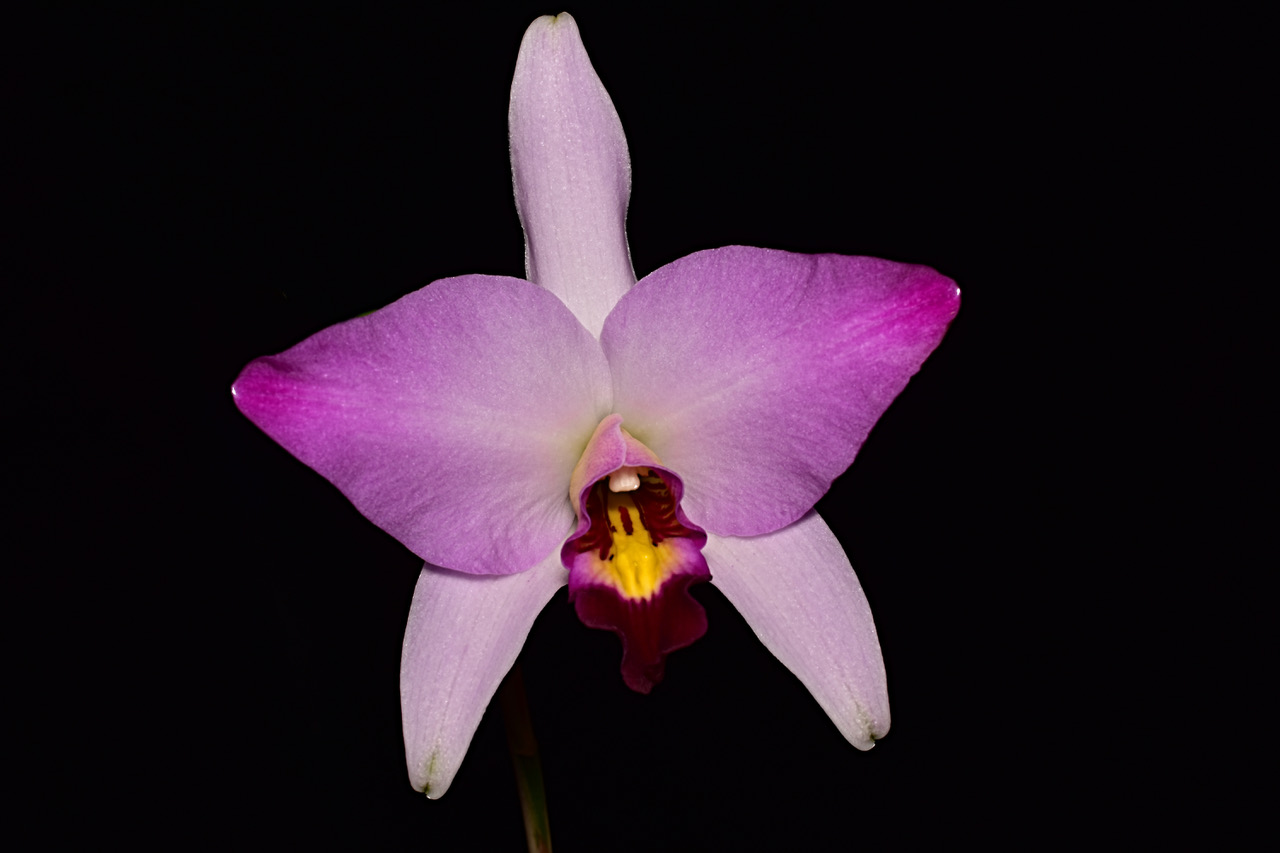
(634, 553)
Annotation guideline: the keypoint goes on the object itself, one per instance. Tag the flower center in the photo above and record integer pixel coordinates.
(629, 534)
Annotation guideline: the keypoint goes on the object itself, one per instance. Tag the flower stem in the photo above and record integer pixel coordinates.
(524, 758)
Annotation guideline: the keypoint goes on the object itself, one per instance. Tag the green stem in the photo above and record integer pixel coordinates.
(524, 758)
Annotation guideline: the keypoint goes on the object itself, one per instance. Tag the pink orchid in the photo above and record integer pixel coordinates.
(626, 438)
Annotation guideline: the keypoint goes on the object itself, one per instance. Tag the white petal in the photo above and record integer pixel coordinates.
(572, 173)
(798, 592)
(464, 633)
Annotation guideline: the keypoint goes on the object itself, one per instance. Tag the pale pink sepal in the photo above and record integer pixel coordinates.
(798, 592)
(572, 172)
(464, 634)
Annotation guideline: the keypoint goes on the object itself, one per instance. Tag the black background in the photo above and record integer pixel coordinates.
(211, 634)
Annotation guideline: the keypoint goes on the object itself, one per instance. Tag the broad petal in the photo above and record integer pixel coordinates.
(464, 633)
(452, 418)
(757, 374)
(799, 594)
(572, 172)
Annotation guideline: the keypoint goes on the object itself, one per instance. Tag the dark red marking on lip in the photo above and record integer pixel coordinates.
(599, 537)
(670, 618)
(654, 504)
(649, 629)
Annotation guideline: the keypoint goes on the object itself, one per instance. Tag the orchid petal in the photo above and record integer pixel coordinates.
(464, 634)
(572, 172)
(757, 374)
(799, 594)
(452, 418)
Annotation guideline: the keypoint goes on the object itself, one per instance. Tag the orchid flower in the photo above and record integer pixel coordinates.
(626, 438)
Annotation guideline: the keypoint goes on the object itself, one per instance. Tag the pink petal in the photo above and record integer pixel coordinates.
(572, 172)
(464, 633)
(452, 418)
(799, 594)
(757, 374)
